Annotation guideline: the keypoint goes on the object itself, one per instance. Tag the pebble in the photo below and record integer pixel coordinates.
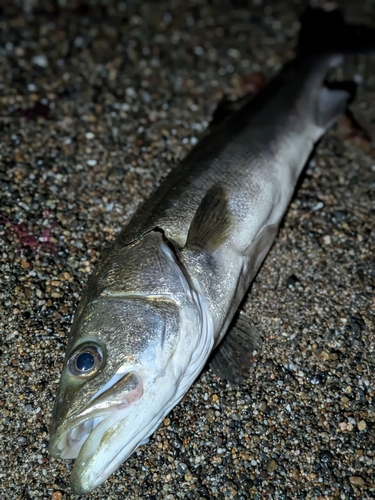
(325, 457)
(327, 239)
(357, 480)
(182, 469)
(362, 425)
(316, 379)
(215, 398)
(40, 60)
(292, 281)
(271, 466)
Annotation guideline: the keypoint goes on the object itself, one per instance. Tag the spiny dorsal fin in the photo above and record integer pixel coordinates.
(234, 355)
(212, 222)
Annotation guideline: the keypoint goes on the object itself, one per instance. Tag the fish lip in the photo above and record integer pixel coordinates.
(95, 410)
(58, 446)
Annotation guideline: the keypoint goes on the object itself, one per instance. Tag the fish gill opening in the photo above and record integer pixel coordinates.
(176, 249)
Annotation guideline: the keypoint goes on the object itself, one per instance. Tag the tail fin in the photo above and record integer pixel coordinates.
(326, 31)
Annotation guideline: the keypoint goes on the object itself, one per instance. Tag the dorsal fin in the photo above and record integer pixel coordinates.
(212, 222)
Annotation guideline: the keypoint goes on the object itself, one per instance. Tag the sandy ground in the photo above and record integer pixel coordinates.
(98, 102)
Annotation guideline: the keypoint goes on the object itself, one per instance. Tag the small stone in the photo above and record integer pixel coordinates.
(182, 469)
(210, 415)
(318, 206)
(28, 408)
(316, 379)
(176, 443)
(325, 456)
(56, 495)
(295, 473)
(40, 60)
(321, 354)
(292, 281)
(346, 426)
(270, 489)
(356, 325)
(263, 475)
(357, 480)
(166, 422)
(263, 406)
(215, 398)
(218, 440)
(362, 425)
(327, 239)
(65, 276)
(115, 173)
(271, 466)
(339, 215)
(346, 486)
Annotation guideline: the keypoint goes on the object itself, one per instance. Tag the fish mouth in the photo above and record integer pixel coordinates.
(101, 412)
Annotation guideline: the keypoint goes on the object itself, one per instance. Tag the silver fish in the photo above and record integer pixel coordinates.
(165, 295)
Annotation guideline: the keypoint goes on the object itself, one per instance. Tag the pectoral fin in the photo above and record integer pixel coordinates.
(212, 222)
(232, 358)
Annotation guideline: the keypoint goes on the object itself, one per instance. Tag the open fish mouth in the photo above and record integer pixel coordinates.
(102, 411)
(73, 441)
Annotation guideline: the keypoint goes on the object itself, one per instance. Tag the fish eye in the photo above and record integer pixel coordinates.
(86, 361)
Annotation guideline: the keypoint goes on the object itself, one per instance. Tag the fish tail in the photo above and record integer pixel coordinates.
(324, 39)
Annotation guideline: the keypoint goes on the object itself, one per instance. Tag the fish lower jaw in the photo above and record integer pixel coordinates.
(106, 407)
(70, 445)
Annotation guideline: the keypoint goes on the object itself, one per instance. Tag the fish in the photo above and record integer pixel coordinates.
(166, 295)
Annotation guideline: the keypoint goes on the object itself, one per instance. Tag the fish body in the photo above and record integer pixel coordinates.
(164, 296)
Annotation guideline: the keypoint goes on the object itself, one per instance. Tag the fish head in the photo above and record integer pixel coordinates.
(130, 359)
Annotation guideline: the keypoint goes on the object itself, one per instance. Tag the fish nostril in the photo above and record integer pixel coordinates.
(133, 381)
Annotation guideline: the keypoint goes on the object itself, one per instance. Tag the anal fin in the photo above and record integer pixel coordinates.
(231, 360)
